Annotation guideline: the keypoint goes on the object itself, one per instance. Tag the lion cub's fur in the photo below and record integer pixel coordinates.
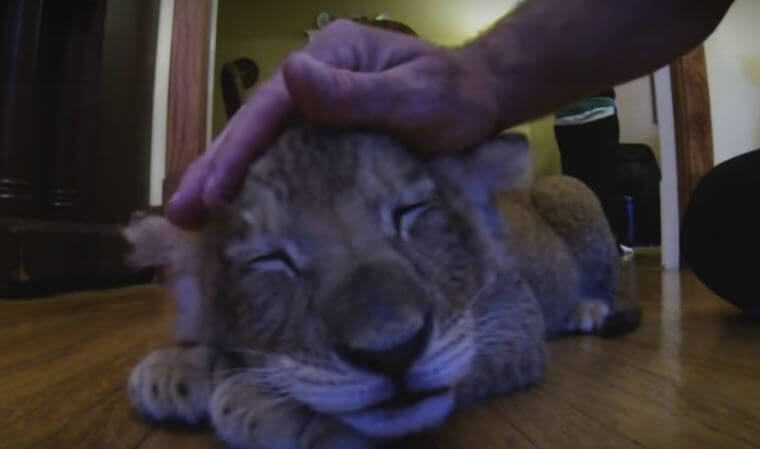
(343, 246)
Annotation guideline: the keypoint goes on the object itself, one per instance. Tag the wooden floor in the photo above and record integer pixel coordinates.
(689, 378)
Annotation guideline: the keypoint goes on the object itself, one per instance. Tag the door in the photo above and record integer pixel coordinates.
(75, 138)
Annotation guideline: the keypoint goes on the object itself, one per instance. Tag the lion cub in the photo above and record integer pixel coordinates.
(354, 293)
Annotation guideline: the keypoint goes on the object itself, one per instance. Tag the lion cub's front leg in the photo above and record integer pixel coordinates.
(248, 416)
(177, 383)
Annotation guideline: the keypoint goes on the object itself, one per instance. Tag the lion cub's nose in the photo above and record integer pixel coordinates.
(379, 318)
(394, 361)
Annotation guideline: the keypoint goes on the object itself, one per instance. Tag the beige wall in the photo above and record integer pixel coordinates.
(635, 111)
(733, 71)
(267, 32)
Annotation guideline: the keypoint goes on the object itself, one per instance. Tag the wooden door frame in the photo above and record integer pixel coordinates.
(189, 92)
(683, 106)
(693, 122)
(686, 142)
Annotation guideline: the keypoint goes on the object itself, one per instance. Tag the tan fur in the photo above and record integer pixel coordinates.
(319, 261)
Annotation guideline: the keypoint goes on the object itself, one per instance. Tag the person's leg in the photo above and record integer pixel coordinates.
(574, 154)
(720, 231)
(589, 153)
(607, 190)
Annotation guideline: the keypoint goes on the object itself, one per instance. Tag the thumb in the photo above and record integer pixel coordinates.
(335, 96)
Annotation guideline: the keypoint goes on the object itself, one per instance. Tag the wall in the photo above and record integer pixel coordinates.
(669, 209)
(636, 113)
(268, 32)
(733, 70)
(160, 101)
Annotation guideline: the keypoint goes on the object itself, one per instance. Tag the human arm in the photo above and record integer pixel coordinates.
(548, 54)
(536, 59)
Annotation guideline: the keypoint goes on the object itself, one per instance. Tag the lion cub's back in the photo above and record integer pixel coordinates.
(574, 211)
(562, 242)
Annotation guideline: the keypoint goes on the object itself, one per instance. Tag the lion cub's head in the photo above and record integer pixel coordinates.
(348, 272)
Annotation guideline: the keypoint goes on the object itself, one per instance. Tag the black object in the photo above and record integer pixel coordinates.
(236, 77)
(589, 153)
(76, 96)
(637, 176)
(625, 177)
(720, 231)
(609, 93)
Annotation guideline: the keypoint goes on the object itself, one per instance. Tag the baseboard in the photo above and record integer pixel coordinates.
(39, 257)
(52, 287)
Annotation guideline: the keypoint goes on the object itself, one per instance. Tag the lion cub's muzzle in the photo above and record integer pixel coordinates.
(379, 320)
(397, 354)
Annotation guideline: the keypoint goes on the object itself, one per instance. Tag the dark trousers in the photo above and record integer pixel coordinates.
(720, 231)
(588, 152)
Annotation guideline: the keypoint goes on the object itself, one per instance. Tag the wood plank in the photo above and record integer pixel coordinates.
(186, 122)
(185, 439)
(688, 378)
(474, 429)
(73, 396)
(534, 411)
(640, 419)
(691, 108)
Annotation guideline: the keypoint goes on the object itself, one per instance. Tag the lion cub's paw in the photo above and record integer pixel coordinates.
(247, 418)
(176, 383)
(588, 317)
(247, 415)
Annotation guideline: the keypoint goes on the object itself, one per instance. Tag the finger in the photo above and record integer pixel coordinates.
(252, 128)
(336, 96)
(185, 208)
(249, 132)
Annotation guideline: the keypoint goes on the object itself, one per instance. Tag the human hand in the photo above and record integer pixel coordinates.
(436, 99)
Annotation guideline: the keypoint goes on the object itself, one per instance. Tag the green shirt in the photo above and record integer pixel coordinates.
(586, 111)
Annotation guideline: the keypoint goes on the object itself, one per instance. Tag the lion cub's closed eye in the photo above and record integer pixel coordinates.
(353, 293)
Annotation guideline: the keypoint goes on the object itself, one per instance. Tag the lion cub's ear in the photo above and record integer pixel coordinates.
(499, 164)
(154, 240)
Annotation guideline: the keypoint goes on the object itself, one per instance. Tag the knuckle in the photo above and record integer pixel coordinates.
(342, 27)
